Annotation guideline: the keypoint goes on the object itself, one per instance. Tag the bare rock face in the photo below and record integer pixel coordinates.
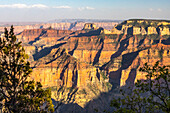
(85, 64)
(164, 31)
(90, 26)
(143, 27)
(30, 50)
(151, 30)
(42, 36)
(125, 56)
(60, 26)
(58, 69)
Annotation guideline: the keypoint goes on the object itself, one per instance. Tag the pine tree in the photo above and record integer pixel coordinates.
(17, 94)
(149, 96)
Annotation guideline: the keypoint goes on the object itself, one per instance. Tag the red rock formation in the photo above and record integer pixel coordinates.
(46, 36)
(101, 50)
(82, 58)
(60, 26)
(58, 68)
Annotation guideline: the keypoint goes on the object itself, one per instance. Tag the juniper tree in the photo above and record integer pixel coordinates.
(17, 94)
(149, 96)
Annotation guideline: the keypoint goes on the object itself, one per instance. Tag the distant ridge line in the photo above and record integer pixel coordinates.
(82, 20)
(158, 20)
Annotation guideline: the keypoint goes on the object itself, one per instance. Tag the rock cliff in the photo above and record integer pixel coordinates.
(60, 26)
(142, 27)
(90, 26)
(42, 36)
(129, 54)
(58, 69)
(95, 60)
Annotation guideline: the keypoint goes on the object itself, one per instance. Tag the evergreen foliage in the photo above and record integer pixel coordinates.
(149, 96)
(17, 94)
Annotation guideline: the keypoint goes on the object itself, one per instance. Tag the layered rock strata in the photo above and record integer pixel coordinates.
(143, 27)
(60, 26)
(87, 59)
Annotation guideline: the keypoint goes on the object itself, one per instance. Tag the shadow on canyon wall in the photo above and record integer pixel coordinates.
(96, 58)
(58, 51)
(91, 33)
(70, 95)
(124, 43)
(127, 60)
(75, 47)
(141, 41)
(46, 51)
(102, 102)
(62, 38)
(166, 42)
(72, 25)
(38, 38)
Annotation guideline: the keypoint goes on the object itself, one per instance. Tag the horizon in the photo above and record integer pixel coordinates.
(85, 20)
(44, 11)
(64, 19)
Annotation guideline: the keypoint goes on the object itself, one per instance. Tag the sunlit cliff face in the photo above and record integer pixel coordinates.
(95, 60)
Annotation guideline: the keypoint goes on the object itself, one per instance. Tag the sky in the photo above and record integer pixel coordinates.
(47, 10)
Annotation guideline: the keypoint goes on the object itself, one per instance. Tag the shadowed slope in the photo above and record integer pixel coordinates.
(46, 51)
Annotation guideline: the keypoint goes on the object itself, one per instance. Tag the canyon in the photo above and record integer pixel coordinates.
(86, 63)
(74, 26)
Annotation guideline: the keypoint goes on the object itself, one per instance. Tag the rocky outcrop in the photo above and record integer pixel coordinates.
(58, 69)
(143, 27)
(164, 31)
(101, 50)
(105, 51)
(43, 36)
(30, 50)
(90, 26)
(91, 61)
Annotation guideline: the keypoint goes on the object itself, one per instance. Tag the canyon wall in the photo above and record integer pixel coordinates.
(57, 69)
(125, 56)
(144, 27)
(94, 60)
(106, 51)
(60, 26)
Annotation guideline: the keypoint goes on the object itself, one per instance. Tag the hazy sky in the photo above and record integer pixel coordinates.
(46, 10)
